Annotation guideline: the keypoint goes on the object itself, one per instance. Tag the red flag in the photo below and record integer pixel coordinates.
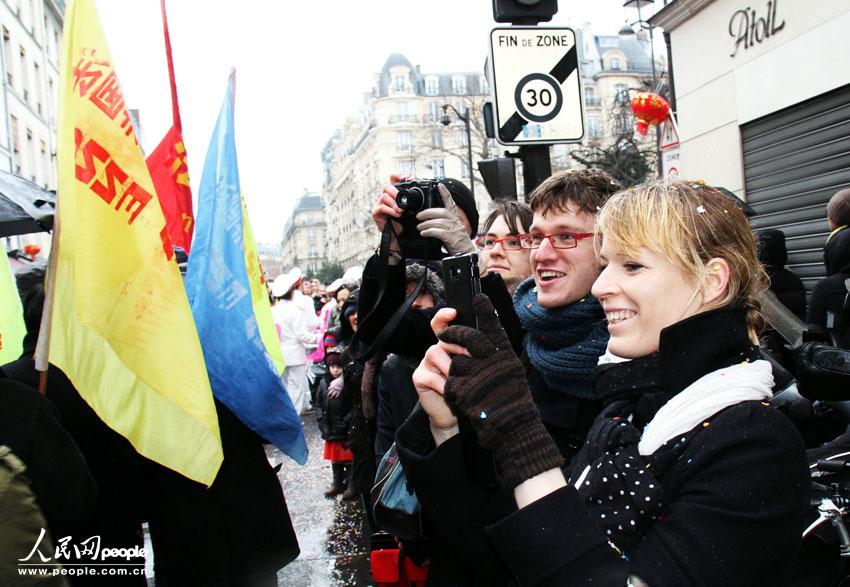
(169, 169)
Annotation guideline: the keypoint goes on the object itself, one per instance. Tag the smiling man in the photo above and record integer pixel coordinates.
(499, 248)
(565, 325)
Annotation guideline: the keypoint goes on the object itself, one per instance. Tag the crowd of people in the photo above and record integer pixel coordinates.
(607, 422)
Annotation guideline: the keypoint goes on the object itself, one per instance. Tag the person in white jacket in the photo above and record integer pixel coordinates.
(297, 339)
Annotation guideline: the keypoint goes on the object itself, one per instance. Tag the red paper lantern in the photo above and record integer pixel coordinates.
(32, 250)
(649, 109)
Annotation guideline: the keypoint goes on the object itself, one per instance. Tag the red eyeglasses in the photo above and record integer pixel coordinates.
(509, 243)
(564, 240)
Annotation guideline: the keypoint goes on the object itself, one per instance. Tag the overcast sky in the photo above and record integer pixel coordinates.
(302, 68)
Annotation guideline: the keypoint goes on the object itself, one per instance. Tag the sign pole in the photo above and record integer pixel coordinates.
(536, 166)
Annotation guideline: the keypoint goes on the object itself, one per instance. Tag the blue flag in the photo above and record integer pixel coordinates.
(242, 375)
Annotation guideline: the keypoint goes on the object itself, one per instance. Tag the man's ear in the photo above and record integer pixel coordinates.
(716, 280)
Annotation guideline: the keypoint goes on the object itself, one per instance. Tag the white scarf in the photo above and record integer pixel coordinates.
(705, 397)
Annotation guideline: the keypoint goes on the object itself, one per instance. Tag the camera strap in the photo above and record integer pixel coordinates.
(383, 336)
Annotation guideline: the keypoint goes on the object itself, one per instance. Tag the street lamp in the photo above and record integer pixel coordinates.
(627, 31)
(445, 121)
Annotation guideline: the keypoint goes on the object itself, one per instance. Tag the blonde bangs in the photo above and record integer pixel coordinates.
(645, 216)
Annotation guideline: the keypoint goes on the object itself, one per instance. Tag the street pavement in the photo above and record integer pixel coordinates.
(332, 533)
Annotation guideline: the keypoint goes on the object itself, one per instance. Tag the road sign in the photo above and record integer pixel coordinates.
(671, 163)
(536, 84)
(669, 134)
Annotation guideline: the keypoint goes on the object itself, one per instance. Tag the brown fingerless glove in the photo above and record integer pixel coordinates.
(490, 390)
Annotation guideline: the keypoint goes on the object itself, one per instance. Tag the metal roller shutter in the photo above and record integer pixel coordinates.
(794, 161)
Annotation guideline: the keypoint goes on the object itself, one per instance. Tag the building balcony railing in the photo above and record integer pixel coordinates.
(396, 118)
(592, 102)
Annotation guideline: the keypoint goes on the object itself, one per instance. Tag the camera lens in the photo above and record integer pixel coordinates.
(410, 200)
(455, 272)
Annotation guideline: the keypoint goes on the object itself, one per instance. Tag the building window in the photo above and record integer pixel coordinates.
(432, 85)
(7, 53)
(402, 111)
(13, 128)
(621, 95)
(37, 86)
(24, 82)
(464, 169)
(31, 155)
(593, 129)
(433, 111)
(398, 83)
(437, 138)
(405, 166)
(590, 96)
(437, 168)
(404, 140)
(614, 64)
(623, 124)
(311, 236)
(45, 163)
(463, 138)
(483, 85)
(460, 106)
(459, 85)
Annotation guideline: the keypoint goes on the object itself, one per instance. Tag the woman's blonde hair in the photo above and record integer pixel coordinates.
(689, 224)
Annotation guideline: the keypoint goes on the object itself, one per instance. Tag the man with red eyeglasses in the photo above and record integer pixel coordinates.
(499, 249)
(565, 325)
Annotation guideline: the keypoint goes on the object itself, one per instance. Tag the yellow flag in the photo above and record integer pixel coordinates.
(260, 295)
(12, 329)
(120, 323)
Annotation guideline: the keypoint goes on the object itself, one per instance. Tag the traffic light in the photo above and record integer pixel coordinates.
(499, 177)
(527, 12)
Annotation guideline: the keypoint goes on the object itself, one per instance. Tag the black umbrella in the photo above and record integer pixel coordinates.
(24, 207)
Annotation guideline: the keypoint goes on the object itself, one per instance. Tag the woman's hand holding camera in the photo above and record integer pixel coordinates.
(445, 225)
(386, 204)
(386, 208)
(487, 384)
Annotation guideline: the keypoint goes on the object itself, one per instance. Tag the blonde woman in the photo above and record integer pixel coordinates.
(687, 477)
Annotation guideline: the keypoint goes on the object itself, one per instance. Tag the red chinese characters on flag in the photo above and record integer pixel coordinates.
(96, 168)
(95, 78)
(170, 174)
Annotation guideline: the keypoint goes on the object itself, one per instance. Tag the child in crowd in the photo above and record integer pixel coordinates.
(332, 412)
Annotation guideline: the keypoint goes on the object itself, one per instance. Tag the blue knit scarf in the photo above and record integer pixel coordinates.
(563, 344)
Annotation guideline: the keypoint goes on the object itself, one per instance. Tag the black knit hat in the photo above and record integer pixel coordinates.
(464, 200)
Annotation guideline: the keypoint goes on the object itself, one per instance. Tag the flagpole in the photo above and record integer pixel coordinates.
(42, 347)
(175, 108)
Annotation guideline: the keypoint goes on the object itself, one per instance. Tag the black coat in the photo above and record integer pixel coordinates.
(784, 283)
(333, 414)
(30, 425)
(114, 464)
(736, 496)
(396, 399)
(566, 417)
(827, 301)
(238, 531)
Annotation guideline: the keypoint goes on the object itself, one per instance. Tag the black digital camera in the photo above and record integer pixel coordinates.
(414, 196)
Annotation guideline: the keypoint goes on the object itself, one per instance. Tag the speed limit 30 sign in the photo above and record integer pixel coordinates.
(537, 86)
